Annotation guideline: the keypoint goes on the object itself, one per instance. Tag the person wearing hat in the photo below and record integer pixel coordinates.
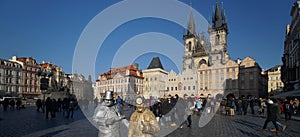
(271, 115)
(108, 117)
(142, 122)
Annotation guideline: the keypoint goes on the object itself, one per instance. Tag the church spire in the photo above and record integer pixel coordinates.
(191, 26)
(218, 18)
(223, 14)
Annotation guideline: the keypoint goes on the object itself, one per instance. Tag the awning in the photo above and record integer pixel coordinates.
(288, 94)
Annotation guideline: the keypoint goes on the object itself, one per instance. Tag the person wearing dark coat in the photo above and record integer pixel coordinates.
(287, 107)
(48, 107)
(53, 108)
(271, 115)
(38, 104)
(5, 104)
(12, 104)
(245, 105)
(65, 106)
(19, 103)
(167, 111)
(157, 111)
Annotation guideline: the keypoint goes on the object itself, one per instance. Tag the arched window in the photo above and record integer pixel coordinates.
(190, 46)
(217, 39)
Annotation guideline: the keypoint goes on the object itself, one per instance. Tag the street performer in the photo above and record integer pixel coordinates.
(108, 117)
(142, 122)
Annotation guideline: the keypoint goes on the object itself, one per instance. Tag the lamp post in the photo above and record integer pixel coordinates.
(44, 83)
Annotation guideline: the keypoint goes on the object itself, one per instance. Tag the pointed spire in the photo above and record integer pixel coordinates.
(217, 18)
(191, 26)
(223, 14)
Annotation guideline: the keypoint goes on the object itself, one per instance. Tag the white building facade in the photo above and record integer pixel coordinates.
(10, 78)
(126, 82)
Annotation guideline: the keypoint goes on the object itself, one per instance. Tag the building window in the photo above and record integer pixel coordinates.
(242, 86)
(251, 76)
(242, 77)
(251, 85)
(217, 39)
(233, 86)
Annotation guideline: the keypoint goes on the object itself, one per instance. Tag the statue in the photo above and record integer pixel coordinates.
(142, 122)
(108, 117)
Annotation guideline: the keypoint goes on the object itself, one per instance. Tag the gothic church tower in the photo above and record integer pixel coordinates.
(195, 47)
(190, 41)
(218, 37)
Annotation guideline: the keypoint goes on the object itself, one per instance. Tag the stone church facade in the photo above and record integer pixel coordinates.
(207, 69)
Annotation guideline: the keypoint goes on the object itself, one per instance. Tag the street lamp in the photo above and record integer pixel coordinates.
(44, 82)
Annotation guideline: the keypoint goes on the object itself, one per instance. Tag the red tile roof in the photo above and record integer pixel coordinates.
(122, 70)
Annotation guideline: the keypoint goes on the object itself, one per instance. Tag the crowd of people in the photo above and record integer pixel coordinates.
(273, 109)
(49, 107)
(176, 111)
(12, 104)
(239, 106)
(52, 106)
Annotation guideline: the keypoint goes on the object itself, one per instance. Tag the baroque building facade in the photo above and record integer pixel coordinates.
(58, 80)
(21, 77)
(126, 82)
(275, 85)
(10, 78)
(291, 56)
(30, 79)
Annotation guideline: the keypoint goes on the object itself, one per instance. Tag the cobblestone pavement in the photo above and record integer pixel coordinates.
(28, 122)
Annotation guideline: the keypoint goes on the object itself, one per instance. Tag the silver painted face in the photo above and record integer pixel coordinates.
(108, 102)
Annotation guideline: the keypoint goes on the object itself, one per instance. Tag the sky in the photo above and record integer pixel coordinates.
(52, 30)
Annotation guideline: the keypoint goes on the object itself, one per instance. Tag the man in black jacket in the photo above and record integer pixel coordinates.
(271, 115)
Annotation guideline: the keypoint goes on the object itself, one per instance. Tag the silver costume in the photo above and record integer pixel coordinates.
(108, 118)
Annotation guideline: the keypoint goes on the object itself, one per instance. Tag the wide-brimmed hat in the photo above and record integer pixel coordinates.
(109, 95)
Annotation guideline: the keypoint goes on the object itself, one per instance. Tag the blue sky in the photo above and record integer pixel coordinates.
(49, 30)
